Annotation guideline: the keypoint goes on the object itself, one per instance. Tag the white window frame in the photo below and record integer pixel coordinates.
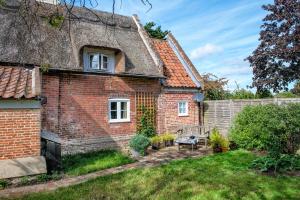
(186, 108)
(119, 110)
(101, 67)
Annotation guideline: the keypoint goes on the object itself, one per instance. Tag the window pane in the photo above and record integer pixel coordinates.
(123, 105)
(123, 114)
(94, 61)
(113, 114)
(113, 105)
(105, 62)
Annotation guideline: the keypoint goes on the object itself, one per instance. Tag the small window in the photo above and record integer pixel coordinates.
(98, 61)
(119, 110)
(183, 108)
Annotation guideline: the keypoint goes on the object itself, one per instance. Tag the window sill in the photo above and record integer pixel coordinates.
(183, 115)
(119, 121)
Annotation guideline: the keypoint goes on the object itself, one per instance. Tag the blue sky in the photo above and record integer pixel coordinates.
(216, 34)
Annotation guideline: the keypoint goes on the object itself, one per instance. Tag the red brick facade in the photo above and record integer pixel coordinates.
(168, 119)
(19, 133)
(77, 106)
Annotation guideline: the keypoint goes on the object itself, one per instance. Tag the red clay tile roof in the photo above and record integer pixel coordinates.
(173, 68)
(16, 82)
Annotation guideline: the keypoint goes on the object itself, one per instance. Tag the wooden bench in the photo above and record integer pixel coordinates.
(192, 135)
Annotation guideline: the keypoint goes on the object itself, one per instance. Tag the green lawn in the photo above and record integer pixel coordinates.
(89, 162)
(223, 176)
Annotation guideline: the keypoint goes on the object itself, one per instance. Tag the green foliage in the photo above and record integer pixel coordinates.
(56, 20)
(168, 137)
(45, 67)
(217, 141)
(217, 94)
(43, 178)
(147, 127)
(282, 164)
(155, 32)
(264, 94)
(156, 139)
(84, 163)
(286, 94)
(139, 143)
(2, 3)
(242, 94)
(25, 180)
(3, 183)
(269, 127)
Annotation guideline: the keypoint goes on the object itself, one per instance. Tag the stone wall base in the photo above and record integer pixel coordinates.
(18, 167)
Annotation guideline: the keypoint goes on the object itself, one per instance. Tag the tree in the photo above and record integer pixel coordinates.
(155, 32)
(296, 89)
(214, 87)
(276, 61)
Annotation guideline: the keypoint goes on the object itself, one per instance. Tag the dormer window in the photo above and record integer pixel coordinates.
(98, 61)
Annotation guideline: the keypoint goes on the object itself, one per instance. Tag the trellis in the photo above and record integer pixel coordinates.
(147, 100)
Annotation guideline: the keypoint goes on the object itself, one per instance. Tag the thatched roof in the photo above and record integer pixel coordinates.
(61, 49)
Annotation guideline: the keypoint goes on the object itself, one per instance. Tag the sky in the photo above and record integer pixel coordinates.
(217, 35)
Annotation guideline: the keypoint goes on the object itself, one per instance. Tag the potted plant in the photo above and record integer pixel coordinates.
(139, 143)
(216, 141)
(156, 142)
(168, 139)
(224, 144)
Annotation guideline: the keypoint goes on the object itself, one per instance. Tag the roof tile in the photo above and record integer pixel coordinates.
(173, 68)
(16, 82)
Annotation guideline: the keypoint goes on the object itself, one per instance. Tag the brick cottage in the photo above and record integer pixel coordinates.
(96, 76)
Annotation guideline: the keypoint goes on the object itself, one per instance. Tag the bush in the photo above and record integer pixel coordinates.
(273, 128)
(156, 139)
(268, 127)
(139, 143)
(3, 183)
(282, 164)
(286, 94)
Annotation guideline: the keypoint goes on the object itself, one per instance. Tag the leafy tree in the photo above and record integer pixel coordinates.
(155, 32)
(276, 61)
(214, 87)
(296, 89)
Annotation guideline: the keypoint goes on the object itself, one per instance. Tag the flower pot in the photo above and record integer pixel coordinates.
(225, 149)
(169, 143)
(217, 149)
(156, 146)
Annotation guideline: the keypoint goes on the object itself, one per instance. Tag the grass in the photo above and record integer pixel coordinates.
(215, 177)
(79, 164)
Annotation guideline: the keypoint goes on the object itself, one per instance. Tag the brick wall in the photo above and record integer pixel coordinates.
(77, 108)
(19, 133)
(168, 119)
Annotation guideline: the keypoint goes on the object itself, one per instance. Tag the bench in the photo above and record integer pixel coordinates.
(192, 135)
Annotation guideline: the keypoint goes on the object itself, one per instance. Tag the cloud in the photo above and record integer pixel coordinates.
(205, 50)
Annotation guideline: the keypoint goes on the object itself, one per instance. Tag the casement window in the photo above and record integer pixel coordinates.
(119, 110)
(98, 61)
(183, 108)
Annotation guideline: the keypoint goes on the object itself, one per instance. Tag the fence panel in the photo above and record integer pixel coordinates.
(220, 113)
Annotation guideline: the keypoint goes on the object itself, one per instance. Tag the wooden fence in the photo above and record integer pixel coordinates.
(220, 113)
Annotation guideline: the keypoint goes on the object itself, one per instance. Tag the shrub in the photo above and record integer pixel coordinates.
(3, 183)
(268, 127)
(282, 164)
(286, 94)
(139, 143)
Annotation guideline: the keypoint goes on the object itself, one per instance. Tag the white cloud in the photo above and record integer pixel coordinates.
(205, 50)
